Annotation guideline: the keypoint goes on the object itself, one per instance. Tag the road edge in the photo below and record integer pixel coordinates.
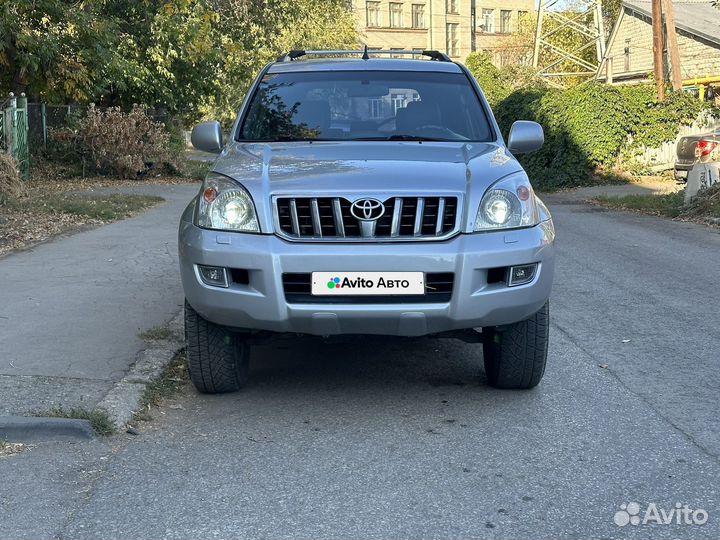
(29, 429)
(123, 400)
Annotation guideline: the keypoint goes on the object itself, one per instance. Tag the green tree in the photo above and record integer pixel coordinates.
(198, 57)
(57, 50)
(192, 57)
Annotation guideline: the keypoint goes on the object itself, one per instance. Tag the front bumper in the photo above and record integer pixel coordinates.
(261, 303)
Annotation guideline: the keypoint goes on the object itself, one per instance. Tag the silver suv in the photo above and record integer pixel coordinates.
(366, 195)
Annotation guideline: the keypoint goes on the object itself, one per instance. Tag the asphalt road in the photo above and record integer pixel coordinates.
(389, 439)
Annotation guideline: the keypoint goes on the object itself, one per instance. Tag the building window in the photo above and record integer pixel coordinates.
(488, 20)
(397, 101)
(451, 6)
(376, 108)
(396, 12)
(418, 16)
(523, 20)
(505, 21)
(396, 55)
(453, 45)
(627, 52)
(373, 14)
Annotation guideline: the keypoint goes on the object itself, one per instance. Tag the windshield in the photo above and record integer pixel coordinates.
(365, 105)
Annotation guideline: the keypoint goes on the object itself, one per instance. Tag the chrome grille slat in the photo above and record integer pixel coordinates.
(397, 214)
(419, 209)
(315, 210)
(440, 215)
(328, 218)
(337, 214)
(294, 218)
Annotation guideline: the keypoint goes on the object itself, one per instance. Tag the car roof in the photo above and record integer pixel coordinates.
(355, 64)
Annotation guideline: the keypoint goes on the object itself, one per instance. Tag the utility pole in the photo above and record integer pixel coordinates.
(557, 62)
(672, 45)
(658, 49)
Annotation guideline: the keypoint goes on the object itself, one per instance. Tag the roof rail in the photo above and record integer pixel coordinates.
(365, 54)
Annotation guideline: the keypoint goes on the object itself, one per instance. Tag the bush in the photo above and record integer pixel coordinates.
(498, 84)
(11, 186)
(584, 130)
(114, 142)
(590, 129)
(489, 77)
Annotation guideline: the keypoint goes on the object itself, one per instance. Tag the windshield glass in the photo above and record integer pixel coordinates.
(365, 105)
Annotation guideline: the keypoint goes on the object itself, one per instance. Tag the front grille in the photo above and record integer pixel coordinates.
(438, 289)
(331, 218)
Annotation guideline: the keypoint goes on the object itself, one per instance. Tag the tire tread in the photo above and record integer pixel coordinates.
(217, 362)
(515, 358)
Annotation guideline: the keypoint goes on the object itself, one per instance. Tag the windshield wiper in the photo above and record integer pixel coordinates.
(402, 138)
(291, 138)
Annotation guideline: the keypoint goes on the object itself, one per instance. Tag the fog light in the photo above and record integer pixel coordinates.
(520, 275)
(215, 276)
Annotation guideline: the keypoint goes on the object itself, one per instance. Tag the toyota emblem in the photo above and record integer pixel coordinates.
(367, 209)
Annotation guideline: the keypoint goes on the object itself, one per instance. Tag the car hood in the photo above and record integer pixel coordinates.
(364, 169)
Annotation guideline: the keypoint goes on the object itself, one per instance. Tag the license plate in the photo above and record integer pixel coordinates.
(367, 283)
(681, 174)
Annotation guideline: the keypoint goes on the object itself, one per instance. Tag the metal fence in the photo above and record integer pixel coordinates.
(26, 128)
(43, 118)
(14, 131)
(662, 158)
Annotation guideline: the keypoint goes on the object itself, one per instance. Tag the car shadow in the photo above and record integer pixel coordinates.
(367, 360)
(435, 384)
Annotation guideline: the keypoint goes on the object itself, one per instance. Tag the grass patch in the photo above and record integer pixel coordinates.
(156, 333)
(705, 207)
(98, 418)
(173, 378)
(93, 206)
(668, 205)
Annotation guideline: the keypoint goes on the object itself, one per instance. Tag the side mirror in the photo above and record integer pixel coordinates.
(525, 137)
(207, 137)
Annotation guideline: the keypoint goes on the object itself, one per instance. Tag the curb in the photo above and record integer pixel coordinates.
(123, 399)
(41, 429)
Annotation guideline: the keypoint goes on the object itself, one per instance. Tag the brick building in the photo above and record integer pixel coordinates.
(456, 27)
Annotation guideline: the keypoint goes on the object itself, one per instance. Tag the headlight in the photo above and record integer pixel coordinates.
(508, 204)
(224, 205)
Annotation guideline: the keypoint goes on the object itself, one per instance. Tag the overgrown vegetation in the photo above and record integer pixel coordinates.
(170, 382)
(591, 130)
(114, 142)
(156, 333)
(704, 207)
(99, 418)
(11, 185)
(107, 207)
(666, 204)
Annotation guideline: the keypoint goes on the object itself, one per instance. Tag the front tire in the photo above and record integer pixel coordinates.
(217, 359)
(515, 356)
